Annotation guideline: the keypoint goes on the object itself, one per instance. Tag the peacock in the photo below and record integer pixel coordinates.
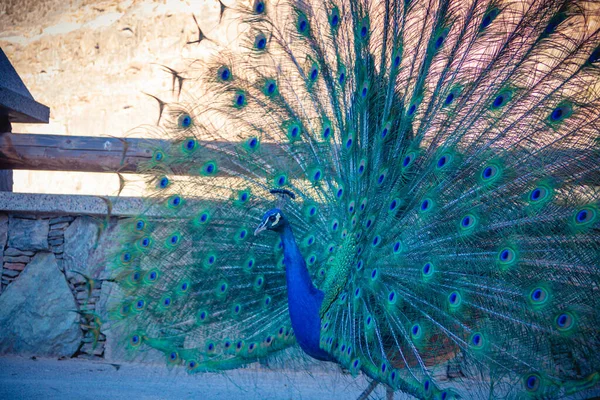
(405, 188)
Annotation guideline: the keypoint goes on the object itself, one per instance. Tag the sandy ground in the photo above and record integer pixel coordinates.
(24, 378)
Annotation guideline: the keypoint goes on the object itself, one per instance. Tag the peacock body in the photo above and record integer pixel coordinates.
(430, 172)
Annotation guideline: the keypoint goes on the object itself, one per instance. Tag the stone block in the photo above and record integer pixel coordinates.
(28, 234)
(63, 218)
(14, 266)
(60, 226)
(82, 295)
(10, 273)
(94, 349)
(79, 287)
(80, 243)
(56, 242)
(88, 307)
(52, 234)
(11, 251)
(36, 312)
(17, 259)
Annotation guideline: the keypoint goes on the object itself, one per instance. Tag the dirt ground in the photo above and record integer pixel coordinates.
(25, 378)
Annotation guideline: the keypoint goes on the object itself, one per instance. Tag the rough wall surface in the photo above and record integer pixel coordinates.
(37, 312)
(28, 234)
(80, 240)
(47, 300)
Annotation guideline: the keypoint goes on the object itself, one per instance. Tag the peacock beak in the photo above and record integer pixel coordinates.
(261, 227)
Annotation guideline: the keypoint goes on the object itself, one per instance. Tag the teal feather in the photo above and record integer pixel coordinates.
(444, 162)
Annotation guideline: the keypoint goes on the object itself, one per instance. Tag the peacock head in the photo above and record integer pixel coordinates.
(273, 220)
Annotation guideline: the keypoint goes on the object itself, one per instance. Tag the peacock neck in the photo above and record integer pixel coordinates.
(304, 299)
(296, 271)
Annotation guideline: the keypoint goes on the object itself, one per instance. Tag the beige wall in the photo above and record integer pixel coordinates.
(91, 61)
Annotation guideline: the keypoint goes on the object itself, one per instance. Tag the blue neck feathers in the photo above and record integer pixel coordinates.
(304, 299)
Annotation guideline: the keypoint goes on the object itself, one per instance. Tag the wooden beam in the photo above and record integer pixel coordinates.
(6, 180)
(71, 153)
(108, 154)
(100, 154)
(125, 155)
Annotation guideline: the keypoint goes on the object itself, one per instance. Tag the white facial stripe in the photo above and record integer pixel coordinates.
(276, 219)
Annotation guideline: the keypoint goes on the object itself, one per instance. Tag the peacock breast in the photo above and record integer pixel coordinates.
(338, 272)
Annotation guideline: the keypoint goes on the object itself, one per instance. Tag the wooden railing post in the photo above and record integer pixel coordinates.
(6, 175)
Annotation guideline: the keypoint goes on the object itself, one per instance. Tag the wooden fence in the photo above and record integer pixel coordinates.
(101, 154)
(125, 155)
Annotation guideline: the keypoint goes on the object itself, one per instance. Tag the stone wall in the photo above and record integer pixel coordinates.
(50, 245)
(47, 303)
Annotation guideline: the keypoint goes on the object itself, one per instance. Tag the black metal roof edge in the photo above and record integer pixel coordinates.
(15, 99)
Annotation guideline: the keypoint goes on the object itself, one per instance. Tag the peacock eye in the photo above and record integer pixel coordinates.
(272, 218)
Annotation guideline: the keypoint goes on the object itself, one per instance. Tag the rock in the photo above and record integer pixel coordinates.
(14, 266)
(114, 350)
(80, 287)
(55, 242)
(58, 220)
(90, 348)
(10, 273)
(60, 226)
(28, 234)
(52, 234)
(80, 243)
(88, 307)
(82, 295)
(16, 252)
(57, 249)
(90, 338)
(36, 316)
(17, 259)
